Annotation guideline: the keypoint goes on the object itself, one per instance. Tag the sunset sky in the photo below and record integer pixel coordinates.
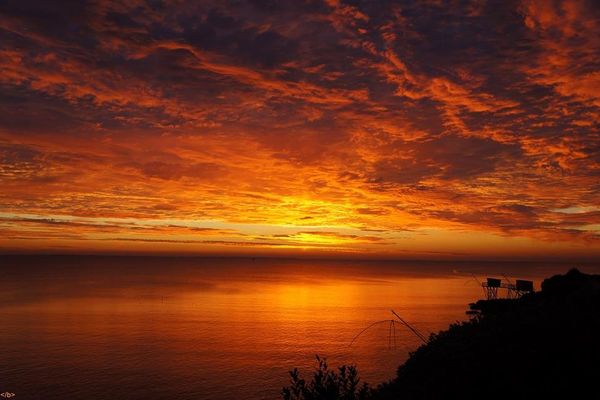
(392, 129)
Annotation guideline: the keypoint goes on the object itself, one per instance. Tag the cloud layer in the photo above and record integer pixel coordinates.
(392, 128)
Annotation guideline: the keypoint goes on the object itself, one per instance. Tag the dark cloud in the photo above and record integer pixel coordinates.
(520, 208)
(20, 162)
(68, 22)
(22, 110)
(464, 158)
(403, 172)
(246, 45)
(174, 171)
(447, 157)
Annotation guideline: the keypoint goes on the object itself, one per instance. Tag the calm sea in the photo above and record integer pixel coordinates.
(187, 328)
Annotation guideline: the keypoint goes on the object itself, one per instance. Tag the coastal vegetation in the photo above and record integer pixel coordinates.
(542, 345)
(343, 384)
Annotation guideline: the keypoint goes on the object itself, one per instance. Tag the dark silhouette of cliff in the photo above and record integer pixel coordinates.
(543, 345)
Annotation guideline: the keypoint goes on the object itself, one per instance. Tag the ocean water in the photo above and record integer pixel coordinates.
(194, 328)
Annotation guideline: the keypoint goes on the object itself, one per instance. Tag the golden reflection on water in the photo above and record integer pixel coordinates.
(213, 330)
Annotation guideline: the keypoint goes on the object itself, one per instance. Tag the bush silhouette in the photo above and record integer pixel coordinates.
(327, 385)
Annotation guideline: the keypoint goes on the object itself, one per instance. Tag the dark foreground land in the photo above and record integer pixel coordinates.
(543, 345)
